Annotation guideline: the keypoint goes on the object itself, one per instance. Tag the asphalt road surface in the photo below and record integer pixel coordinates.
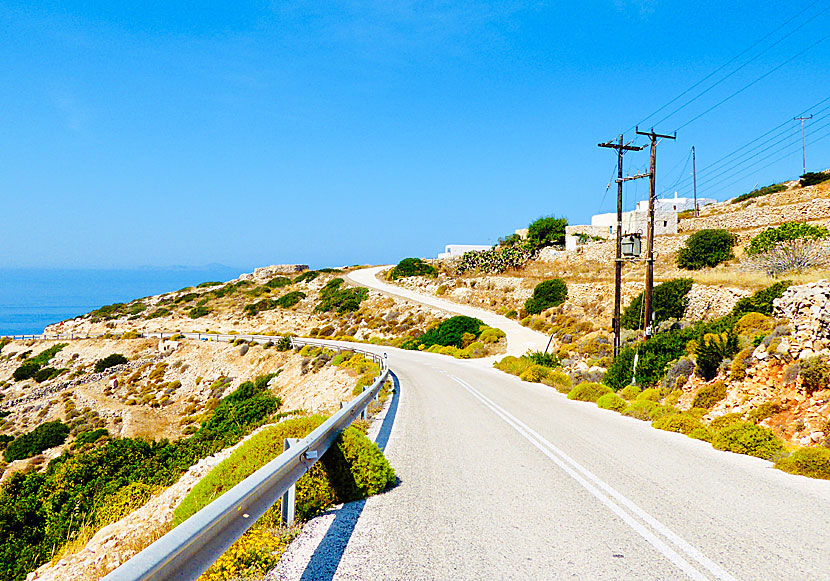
(503, 479)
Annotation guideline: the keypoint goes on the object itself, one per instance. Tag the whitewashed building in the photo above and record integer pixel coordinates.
(457, 250)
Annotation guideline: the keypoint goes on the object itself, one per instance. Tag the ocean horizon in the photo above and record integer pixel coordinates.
(32, 298)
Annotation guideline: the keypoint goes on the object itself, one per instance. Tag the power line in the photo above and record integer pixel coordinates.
(745, 87)
(726, 64)
(721, 163)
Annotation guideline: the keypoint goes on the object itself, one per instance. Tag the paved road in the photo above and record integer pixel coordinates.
(519, 339)
(502, 479)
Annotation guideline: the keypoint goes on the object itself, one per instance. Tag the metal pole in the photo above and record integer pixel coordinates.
(803, 143)
(694, 179)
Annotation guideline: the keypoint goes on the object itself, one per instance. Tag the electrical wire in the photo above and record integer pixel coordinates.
(726, 64)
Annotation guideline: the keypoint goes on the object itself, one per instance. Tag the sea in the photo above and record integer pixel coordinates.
(32, 298)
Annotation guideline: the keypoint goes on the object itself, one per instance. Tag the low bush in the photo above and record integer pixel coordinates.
(42, 438)
(342, 300)
(611, 401)
(746, 438)
(640, 410)
(254, 309)
(649, 394)
(706, 248)
(630, 392)
(546, 294)
(713, 349)
(91, 436)
(494, 260)
(449, 332)
(491, 335)
(678, 422)
(160, 312)
(655, 356)
(109, 361)
(588, 391)
(559, 380)
(288, 300)
(761, 301)
(708, 395)
(198, 312)
(669, 301)
(412, 267)
(766, 240)
(702, 433)
(123, 502)
(278, 282)
(763, 411)
(810, 462)
(353, 468)
(32, 365)
(766, 190)
(534, 374)
(814, 373)
(752, 324)
(725, 420)
(812, 178)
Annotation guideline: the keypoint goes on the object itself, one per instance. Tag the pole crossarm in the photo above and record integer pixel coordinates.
(636, 177)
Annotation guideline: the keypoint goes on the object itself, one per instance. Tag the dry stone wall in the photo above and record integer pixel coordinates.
(807, 307)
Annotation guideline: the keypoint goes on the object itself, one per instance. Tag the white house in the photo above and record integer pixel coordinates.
(605, 225)
(457, 250)
(674, 204)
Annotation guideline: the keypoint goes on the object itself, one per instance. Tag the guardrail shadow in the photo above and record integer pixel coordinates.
(327, 556)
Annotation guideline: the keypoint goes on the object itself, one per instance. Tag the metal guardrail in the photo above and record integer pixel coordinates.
(189, 550)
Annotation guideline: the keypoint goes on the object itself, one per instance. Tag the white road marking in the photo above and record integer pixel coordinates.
(571, 467)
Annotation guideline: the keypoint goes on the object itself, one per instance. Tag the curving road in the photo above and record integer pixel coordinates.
(502, 479)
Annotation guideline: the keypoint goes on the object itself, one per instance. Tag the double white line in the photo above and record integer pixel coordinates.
(616, 502)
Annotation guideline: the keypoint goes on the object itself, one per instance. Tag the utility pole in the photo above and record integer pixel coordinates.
(621, 149)
(803, 144)
(694, 180)
(648, 316)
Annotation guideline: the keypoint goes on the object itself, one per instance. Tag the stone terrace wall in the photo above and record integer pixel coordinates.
(761, 217)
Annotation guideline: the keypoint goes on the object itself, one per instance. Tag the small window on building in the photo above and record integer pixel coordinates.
(665, 223)
(610, 229)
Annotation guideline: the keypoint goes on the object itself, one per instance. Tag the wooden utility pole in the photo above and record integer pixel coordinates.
(648, 317)
(694, 180)
(621, 149)
(803, 144)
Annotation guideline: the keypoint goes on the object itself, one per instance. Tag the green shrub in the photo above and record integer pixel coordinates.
(763, 411)
(278, 282)
(611, 401)
(548, 293)
(494, 260)
(412, 267)
(25, 371)
(342, 300)
(288, 300)
(588, 391)
(754, 323)
(773, 189)
(814, 373)
(655, 356)
(725, 420)
(630, 392)
(198, 311)
(649, 394)
(702, 433)
(706, 248)
(746, 438)
(812, 178)
(448, 332)
(708, 395)
(766, 240)
(559, 380)
(161, 312)
(352, 468)
(534, 374)
(109, 361)
(810, 462)
(42, 438)
(264, 305)
(713, 349)
(546, 231)
(123, 502)
(761, 301)
(640, 410)
(491, 335)
(91, 436)
(678, 422)
(669, 301)
(30, 367)
(208, 284)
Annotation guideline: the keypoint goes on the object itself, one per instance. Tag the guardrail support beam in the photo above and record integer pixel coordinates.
(290, 496)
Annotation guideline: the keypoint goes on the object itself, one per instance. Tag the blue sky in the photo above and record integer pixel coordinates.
(334, 133)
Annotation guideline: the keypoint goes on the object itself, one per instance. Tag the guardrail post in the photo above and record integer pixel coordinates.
(290, 496)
